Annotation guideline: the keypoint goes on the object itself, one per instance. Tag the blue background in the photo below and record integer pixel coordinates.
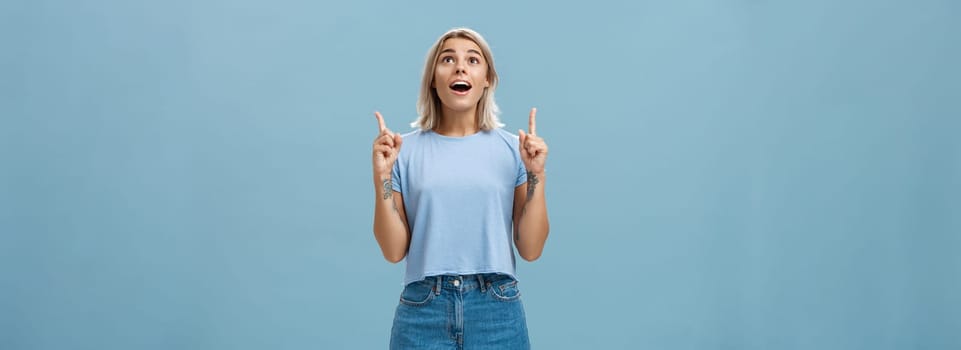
(740, 174)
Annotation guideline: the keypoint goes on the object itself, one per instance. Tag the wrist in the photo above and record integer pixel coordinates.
(382, 176)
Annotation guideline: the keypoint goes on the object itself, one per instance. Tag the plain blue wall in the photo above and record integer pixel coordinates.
(740, 174)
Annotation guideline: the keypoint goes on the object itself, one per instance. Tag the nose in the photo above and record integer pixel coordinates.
(460, 67)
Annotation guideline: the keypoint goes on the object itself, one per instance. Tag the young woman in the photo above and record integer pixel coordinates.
(455, 200)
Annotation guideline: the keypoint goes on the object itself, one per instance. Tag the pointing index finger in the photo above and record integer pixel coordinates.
(532, 125)
(380, 121)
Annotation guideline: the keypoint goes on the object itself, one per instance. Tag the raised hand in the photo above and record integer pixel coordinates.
(533, 149)
(386, 147)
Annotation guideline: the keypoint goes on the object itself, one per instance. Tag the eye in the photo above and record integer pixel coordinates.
(474, 60)
(447, 59)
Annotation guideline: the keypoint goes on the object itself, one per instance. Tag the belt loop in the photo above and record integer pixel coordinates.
(437, 286)
(480, 279)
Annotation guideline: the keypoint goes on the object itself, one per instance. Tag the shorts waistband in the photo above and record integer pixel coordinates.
(465, 282)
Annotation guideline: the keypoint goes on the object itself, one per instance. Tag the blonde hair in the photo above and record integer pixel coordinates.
(429, 104)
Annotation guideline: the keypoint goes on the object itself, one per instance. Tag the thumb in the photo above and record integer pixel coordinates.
(398, 140)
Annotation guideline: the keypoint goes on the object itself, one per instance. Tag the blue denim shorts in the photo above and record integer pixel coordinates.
(482, 311)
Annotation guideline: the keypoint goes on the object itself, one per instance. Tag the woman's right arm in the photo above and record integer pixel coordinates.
(390, 219)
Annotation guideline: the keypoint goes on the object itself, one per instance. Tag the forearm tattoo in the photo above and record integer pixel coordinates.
(532, 182)
(389, 192)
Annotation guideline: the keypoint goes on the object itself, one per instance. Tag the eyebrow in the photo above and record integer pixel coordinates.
(468, 51)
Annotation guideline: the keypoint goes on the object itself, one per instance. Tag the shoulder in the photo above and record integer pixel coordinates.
(509, 142)
(412, 137)
(411, 140)
(413, 134)
(503, 133)
(507, 137)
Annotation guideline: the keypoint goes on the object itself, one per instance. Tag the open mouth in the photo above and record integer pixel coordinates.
(460, 87)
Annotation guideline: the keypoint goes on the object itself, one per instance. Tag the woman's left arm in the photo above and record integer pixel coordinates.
(531, 225)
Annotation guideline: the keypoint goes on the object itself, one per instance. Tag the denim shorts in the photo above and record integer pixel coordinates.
(482, 311)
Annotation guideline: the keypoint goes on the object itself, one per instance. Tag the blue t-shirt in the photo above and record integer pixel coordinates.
(459, 198)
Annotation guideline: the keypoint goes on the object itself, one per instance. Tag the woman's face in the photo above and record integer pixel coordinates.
(460, 74)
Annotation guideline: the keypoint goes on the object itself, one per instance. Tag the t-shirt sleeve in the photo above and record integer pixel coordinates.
(521, 171)
(395, 180)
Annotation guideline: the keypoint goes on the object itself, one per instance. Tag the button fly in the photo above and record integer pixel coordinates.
(456, 283)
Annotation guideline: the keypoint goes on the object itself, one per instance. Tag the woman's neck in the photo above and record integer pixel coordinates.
(457, 124)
